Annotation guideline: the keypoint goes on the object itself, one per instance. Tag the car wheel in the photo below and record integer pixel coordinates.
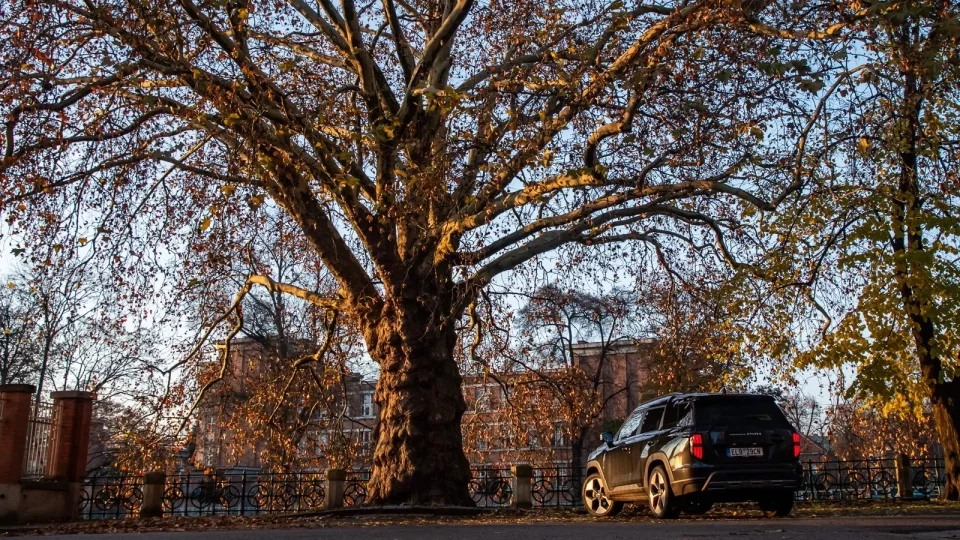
(662, 504)
(697, 507)
(596, 499)
(778, 505)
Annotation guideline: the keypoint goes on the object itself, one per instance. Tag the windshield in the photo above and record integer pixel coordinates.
(739, 412)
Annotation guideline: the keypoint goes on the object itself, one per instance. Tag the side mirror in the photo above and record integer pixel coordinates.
(607, 437)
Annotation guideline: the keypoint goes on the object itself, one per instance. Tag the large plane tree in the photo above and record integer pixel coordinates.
(422, 147)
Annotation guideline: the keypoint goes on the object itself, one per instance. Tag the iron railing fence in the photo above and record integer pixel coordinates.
(355, 488)
(39, 429)
(558, 486)
(246, 493)
(111, 497)
(490, 487)
(190, 495)
(253, 493)
(868, 479)
(929, 476)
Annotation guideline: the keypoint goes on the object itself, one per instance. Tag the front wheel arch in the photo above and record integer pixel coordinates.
(594, 467)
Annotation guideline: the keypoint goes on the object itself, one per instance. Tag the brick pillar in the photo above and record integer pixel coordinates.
(15, 402)
(336, 480)
(69, 441)
(69, 436)
(522, 486)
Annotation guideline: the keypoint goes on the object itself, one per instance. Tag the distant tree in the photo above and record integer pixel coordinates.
(20, 357)
(289, 402)
(857, 430)
(700, 339)
(61, 297)
(553, 322)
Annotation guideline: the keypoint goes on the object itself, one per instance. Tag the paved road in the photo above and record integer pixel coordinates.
(902, 528)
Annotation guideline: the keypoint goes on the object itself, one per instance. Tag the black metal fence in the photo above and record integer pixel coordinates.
(355, 488)
(253, 493)
(557, 486)
(869, 479)
(247, 493)
(110, 497)
(490, 486)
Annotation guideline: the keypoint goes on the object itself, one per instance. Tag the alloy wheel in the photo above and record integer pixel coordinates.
(595, 496)
(658, 495)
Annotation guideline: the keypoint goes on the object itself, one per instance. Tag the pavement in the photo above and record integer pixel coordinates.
(827, 528)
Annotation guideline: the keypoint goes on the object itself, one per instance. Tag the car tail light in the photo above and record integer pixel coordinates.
(796, 445)
(696, 445)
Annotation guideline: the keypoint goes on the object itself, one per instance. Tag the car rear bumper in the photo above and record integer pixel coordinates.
(703, 478)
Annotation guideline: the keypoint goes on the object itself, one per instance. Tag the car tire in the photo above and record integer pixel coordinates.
(596, 499)
(697, 507)
(779, 505)
(662, 503)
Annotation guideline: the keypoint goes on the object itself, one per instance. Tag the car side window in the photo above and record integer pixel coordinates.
(651, 422)
(630, 425)
(679, 414)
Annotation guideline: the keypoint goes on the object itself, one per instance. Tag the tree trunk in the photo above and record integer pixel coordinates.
(946, 412)
(419, 456)
(576, 456)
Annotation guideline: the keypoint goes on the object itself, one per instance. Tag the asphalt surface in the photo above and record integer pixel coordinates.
(845, 528)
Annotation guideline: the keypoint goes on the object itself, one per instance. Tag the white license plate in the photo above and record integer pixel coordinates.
(744, 452)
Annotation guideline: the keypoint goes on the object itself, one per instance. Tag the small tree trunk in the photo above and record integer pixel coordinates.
(419, 456)
(946, 412)
(576, 456)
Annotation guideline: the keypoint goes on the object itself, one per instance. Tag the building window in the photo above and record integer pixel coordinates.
(559, 437)
(533, 438)
(366, 404)
(364, 438)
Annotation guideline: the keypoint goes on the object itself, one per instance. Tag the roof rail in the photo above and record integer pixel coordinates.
(658, 398)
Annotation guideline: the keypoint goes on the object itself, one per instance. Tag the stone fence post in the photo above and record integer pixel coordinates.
(336, 482)
(904, 477)
(522, 485)
(153, 485)
(14, 418)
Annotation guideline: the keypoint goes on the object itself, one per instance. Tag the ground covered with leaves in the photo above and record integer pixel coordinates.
(500, 516)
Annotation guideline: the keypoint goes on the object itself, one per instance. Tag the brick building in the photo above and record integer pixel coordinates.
(512, 417)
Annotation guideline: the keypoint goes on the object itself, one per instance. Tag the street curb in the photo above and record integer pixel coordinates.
(397, 510)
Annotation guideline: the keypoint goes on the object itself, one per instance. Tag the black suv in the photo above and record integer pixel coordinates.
(683, 452)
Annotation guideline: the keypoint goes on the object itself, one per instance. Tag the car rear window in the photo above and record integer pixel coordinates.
(739, 412)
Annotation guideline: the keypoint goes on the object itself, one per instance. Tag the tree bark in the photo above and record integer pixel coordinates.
(946, 412)
(419, 456)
